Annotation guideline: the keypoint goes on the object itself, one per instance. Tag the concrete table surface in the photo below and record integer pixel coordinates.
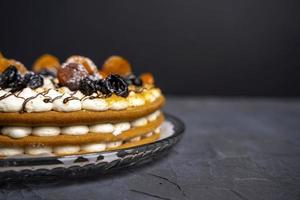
(232, 149)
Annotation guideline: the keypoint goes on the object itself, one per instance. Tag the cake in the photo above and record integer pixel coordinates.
(76, 107)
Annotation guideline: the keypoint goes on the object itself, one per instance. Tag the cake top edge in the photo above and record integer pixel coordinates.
(76, 84)
(77, 73)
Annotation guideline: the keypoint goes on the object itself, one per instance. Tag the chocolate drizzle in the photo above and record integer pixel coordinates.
(99, 95)
(5, 96)
(46, 100)
(49, 100)
(66, 100)
(71, 97)
(26, 101)
(10, 94)
(58, 97)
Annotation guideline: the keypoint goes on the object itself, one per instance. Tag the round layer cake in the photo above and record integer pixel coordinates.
(76, 107)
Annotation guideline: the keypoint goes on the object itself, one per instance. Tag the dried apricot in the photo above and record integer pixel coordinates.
(147, 78)
(46, 61)
(102, 74)
(4, 63)
(116, 65)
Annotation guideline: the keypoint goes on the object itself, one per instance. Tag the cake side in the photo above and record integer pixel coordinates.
(76, 107)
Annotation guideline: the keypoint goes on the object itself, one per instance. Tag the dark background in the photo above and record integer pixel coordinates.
(193, 47)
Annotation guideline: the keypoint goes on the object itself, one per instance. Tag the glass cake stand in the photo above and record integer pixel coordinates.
(56, 167)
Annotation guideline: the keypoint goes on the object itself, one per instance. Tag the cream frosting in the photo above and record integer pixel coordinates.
(70, 149)
(153, 116)
(11, 151)
(157, 130)
(72, 105)
(149, 134)
(14, 102)
(96, 104)
(39, 90)
(38, 150)
(155, 92)
(93, 147)
(48, 83)
(45, 131)
(52, 93)
(120, 104)
(38, 105)
(11, 103)
(135, 139)
(135, 100)
(102, 128)
(27, 93)
(16, 131)
(149, 96)
(64, 90)
(139, 122)
(114, 144)
(78, 95)
(121, 127)
(75, 130)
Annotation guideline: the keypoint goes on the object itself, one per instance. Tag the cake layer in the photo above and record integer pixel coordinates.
(45, 131)
(80, 139)
(78, 149)
(54, 118)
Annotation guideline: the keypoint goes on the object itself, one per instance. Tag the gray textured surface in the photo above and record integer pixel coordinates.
(233, 149)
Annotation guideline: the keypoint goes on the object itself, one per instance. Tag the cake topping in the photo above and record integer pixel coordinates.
(90, 85)
(74, 88)
(70, 74)
(18, 84)
(88, 64)
(46, 62)
(101, 86)
(111, 84)
(147, 78)
(116, 84)
(47, 72)
(5, 63)
(133, 80)
(33, 80)
(116, 65)
(102, 74)
(87, 86)
(9, 76)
